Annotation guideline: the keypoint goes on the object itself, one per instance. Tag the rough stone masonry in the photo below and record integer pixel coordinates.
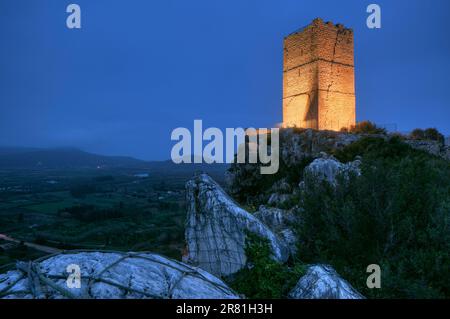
(318, 77)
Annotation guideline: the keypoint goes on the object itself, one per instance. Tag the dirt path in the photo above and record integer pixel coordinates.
(46, 249)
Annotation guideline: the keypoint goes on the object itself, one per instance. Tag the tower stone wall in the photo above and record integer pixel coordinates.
(318, 77)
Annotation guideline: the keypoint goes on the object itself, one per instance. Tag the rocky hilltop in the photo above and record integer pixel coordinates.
(353, 199)
(348, 200)
(217, 227)
(298, 148)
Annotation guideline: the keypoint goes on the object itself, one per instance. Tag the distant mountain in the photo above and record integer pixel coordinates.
(35, 158)
(5, 150)
(72, 158)
(182, 168)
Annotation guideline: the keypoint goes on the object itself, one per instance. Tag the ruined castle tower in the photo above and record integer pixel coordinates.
(318, 77)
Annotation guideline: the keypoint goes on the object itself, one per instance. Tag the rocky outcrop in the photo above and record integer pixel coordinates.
(432, 147)
(281, 222)
(323, 282)
(328, 168)
(281, 193)
(296, 147)
(112, 275)
(216, 229)
(277, 199)
(298, 144)
(275, 218)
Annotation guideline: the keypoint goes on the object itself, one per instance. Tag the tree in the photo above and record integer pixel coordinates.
(365, 127)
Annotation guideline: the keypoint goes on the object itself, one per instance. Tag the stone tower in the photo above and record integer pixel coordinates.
(318, 77)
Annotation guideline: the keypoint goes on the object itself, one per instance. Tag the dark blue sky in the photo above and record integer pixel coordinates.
(138, 69)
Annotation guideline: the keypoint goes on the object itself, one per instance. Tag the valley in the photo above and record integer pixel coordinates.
(115, 208)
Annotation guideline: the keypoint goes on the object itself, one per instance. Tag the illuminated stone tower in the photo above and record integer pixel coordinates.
(318, 77)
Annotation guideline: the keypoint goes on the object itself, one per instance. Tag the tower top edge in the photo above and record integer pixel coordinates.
(318, 23)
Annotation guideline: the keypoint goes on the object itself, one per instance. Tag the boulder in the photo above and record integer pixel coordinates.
(275, 218)
(328, 168)
(446, 153)
(281, 186)
(112, 275)
(433, 147)
(277, 199)
(217, 227)
(298, 144)
(281, 223)
(281, 193)
(323, 282)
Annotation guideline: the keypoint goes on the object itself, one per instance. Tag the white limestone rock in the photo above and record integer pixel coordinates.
(323, 282)
(112, 275)
(275, 218)
(216, 229)
(281, 222)
(277, 199)
(432, 147)
(327, 168)
(299, 144)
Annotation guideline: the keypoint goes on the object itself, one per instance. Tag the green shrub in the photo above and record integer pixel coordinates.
(251, 188)
(434, 134)
(365, 127)
(396, 214)
(418, 134)
(82, 190)
(103, 178)
(92, 213)
(428, 134)
(375, 147)
(265, 278)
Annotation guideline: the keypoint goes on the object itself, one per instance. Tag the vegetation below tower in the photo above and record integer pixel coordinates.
(395, 213)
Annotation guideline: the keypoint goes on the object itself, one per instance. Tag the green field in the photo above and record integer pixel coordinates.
(88, 209)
